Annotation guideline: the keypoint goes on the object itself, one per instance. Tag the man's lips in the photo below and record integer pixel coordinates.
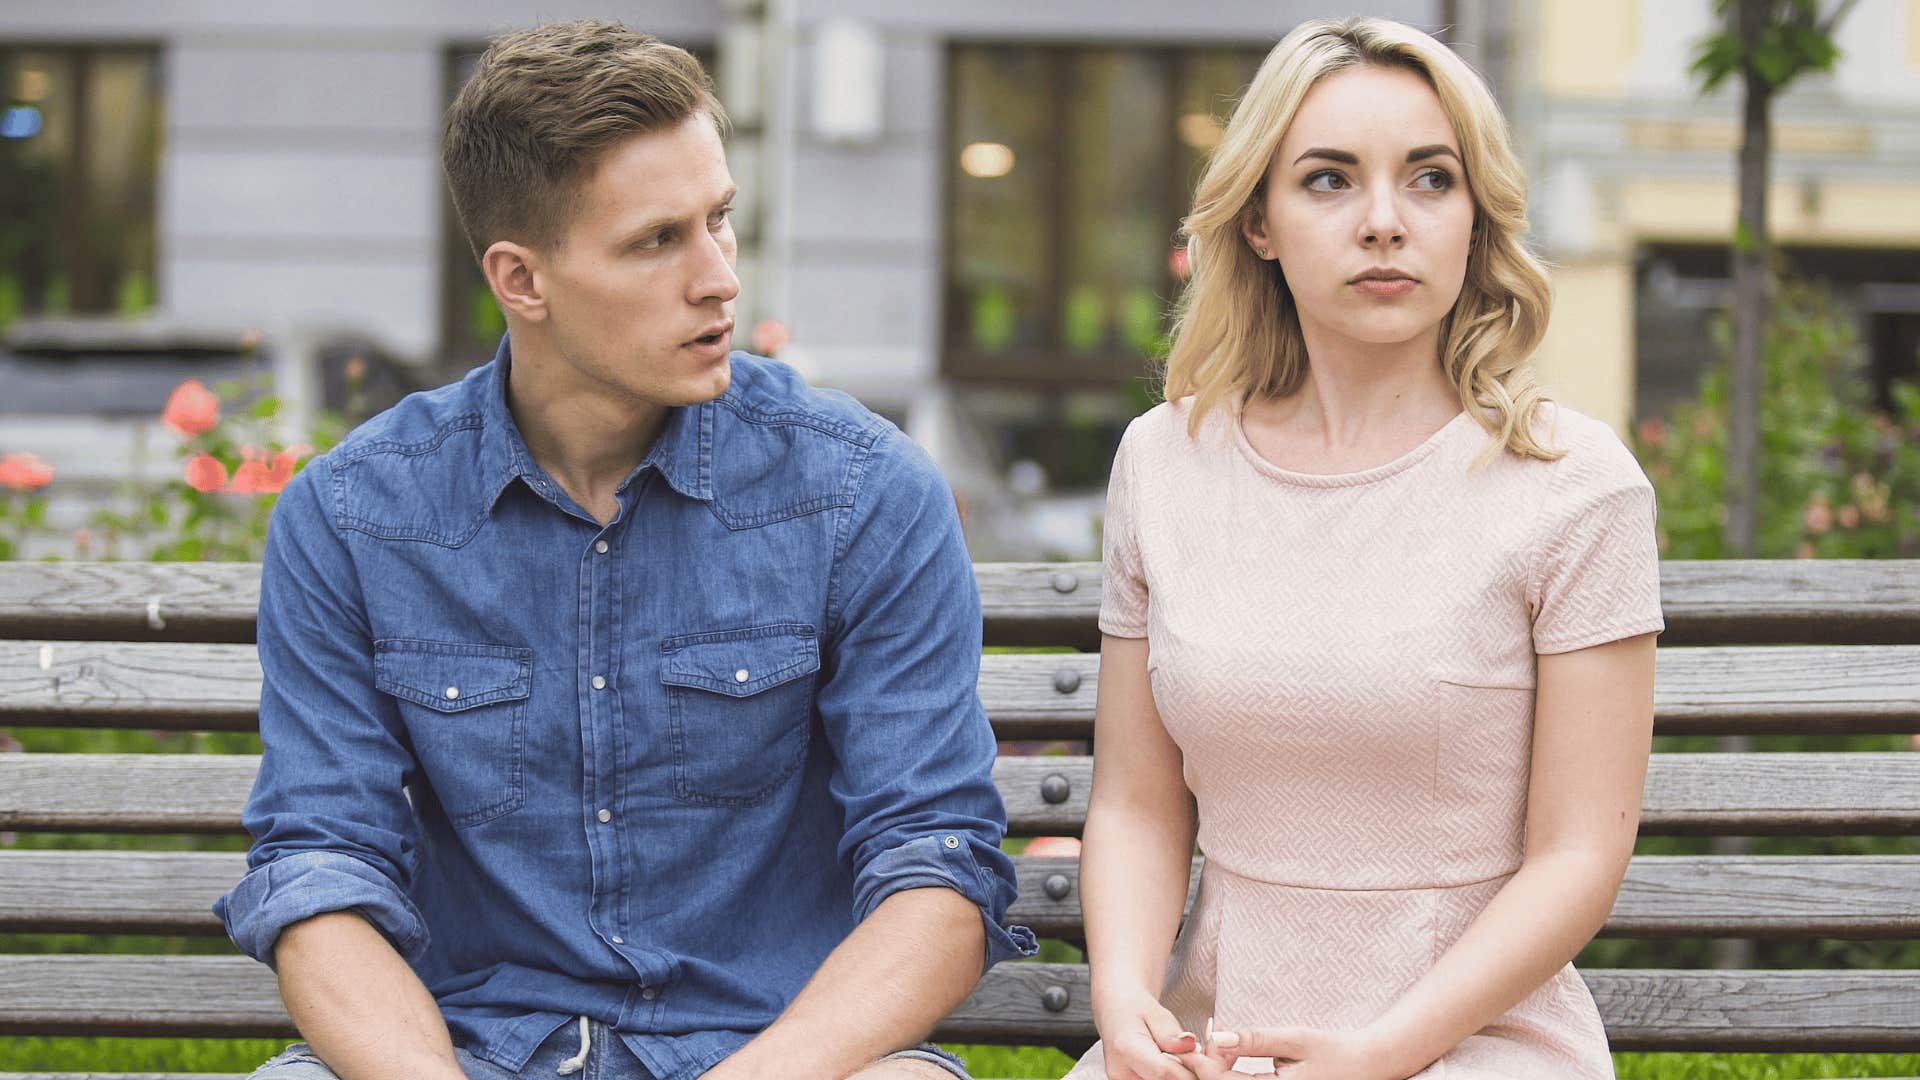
(713, 334)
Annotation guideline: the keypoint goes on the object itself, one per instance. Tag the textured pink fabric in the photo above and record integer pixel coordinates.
(1347, 664)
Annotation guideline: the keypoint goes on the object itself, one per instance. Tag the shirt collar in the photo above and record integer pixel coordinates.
(682, 454)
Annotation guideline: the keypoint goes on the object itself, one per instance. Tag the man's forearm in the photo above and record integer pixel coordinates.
(358, 1004)
(883, 989)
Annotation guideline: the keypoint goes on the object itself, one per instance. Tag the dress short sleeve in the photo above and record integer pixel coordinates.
(1123, 590)
(1597, 567)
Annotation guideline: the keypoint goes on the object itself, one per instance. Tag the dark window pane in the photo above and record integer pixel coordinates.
(1118, 220)
(79, 152)
(1003, 174)
(1070, 170)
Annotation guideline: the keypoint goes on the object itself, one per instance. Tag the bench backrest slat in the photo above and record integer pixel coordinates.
(1801, 689)
(1834, 601)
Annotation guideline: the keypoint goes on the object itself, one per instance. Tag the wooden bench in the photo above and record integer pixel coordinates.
(1752, 648)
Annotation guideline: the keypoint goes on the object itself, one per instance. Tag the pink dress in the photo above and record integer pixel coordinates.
(1347, 665)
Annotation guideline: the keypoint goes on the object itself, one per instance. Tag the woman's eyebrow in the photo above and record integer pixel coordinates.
(1419, 153)
(1340, 156)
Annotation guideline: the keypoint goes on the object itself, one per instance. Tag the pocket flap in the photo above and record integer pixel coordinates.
(451, 676)
(741, 663)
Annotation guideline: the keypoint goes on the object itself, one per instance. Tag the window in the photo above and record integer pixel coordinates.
(79, 153)
(1069, 170)
(1681, 287)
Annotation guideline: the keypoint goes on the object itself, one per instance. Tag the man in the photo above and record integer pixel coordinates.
(619, 700)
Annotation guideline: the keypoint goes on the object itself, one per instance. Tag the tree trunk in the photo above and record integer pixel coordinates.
(1751, 251)
(1751, 289)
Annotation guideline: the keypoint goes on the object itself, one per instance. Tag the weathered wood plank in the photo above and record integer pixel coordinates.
(125, 793)
(1754, 690)
(1830, 896)
(1687, 794)
(151, 892)
(1831, 601)
(1710, 1010)
(129, 601)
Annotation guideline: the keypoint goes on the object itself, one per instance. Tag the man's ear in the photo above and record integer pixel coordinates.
(514, 272)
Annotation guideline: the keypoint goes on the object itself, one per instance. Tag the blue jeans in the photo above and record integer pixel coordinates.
(607, 1059)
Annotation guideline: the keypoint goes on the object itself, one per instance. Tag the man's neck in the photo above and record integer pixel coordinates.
(588, 437)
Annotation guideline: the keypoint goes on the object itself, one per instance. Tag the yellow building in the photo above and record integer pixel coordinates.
(1635, 192)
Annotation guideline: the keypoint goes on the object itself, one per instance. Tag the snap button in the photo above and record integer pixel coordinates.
(452, 692)
(600, 546)
(741, 675)
(605, 815)
(599, 682)
(952, 841)
(649, 993)
(618, 940)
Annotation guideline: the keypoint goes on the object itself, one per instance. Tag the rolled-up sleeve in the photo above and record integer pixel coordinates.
(329, 815)
(899, 700)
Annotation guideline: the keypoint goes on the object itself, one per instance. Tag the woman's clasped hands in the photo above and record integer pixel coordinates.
(1156, 1048)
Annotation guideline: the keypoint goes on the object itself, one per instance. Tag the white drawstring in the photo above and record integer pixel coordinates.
(578, 1061)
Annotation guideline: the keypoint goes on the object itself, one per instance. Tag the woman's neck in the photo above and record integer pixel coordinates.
(1361, 404)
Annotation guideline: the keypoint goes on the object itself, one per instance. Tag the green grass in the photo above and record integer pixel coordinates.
(241, 1055)
(1011, 1062)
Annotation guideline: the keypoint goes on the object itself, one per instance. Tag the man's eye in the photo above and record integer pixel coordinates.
(719, 217)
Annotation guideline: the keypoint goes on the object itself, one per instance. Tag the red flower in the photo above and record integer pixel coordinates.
(191, 409)
(1180, 263)
(24, 472)
(1653, 432)
(770, 336)
(206, 473)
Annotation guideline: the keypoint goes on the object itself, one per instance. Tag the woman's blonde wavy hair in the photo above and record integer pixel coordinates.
(1237, 332)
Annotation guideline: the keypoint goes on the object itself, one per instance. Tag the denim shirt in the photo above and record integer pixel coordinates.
(649, 773)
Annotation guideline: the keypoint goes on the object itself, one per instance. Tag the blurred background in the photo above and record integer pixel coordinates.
(963, 213)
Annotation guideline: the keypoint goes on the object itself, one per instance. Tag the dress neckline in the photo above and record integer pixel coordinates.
(1346, 479)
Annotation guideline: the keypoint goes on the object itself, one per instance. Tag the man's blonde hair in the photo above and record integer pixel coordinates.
(1237, 332)
(541, 110)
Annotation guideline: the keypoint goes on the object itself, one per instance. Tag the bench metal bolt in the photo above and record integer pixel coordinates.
(1064, 582)
(1066, 680)
(1057, 886)
(1055, 788)
(1055, 998)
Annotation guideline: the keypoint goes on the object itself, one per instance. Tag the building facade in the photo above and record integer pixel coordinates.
(963, 213)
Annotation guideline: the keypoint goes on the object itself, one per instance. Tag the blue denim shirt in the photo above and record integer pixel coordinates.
(650, 773)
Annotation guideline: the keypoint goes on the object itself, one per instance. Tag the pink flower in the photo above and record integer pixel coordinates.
(1180, 263)
(206, 473)
(770, 336)
(1059, 846)
(191, 409)
(1653, 432)
(1849, 516)
(24, 472)
(1819, 516)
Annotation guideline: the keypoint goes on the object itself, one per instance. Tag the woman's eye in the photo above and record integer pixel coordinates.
(1326, 180)
(1434, 180)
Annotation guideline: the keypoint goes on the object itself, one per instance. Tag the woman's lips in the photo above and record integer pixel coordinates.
(1385, 286)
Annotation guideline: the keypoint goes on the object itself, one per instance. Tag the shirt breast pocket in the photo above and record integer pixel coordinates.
(740, 705)
(465, 707)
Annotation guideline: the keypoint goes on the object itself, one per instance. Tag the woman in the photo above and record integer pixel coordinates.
(1378, 623)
